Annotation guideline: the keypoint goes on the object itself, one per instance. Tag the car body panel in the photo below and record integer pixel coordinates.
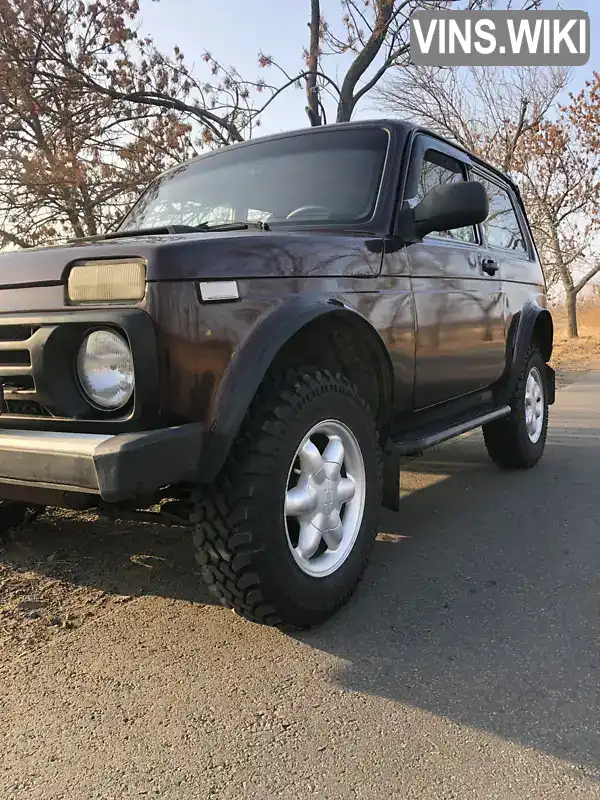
(201, 345)
(460, 322)
(188, 257)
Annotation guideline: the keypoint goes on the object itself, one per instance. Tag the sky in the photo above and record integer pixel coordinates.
(235, 30)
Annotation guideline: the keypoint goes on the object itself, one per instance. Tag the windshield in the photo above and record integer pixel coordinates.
(329, 176)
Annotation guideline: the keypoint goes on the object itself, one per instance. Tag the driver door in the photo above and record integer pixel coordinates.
(460, 344)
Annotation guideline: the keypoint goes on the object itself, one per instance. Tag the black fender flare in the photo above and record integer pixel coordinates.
(251, 363)
(520, 335)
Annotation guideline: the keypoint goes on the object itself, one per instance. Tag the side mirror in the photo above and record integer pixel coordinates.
(447, 207)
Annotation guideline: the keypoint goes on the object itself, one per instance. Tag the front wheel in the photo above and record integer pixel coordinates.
(285, 535)
(518, 441)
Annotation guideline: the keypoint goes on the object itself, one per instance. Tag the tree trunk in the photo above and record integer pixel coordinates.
(572, 331)
(567, 281)
(312, 88)
(345, 108)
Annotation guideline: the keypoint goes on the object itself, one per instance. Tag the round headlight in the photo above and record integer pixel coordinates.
(105, 369)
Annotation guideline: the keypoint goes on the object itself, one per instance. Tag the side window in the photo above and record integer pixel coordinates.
(439, 169)
(502, 227)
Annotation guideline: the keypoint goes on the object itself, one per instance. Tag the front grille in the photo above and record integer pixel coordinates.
(16, 373)
(15, 333)
(19, 383)
(18, 358)
(26, 408)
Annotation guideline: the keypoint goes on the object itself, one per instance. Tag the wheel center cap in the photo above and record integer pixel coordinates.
(327, 507)
(328, 496)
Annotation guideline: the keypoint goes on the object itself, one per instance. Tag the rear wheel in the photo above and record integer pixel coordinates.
(286, 533)
(518, 441)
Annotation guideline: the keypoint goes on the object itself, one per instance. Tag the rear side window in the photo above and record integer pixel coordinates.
(438, 169)
(502, 228)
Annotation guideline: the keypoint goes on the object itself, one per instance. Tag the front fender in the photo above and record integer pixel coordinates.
(250, 364)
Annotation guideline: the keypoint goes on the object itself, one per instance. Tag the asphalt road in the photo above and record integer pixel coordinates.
(467, 666)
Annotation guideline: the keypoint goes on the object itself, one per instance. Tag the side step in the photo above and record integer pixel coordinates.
(413, 447)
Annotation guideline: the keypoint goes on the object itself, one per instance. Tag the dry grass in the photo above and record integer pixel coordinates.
(576, 356)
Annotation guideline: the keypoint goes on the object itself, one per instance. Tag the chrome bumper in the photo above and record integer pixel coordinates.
(116, 467)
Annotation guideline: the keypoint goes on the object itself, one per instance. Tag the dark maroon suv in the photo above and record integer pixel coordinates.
(272, 328)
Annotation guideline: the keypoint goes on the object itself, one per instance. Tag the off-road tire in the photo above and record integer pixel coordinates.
(507, 440)
(239, 525)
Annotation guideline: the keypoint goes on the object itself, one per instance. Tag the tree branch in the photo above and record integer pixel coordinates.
(14, 239)
(297, 78)
(380, 72)
(586, 278)
(385, 15)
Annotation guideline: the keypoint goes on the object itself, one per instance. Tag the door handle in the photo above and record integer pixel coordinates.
(489, 266)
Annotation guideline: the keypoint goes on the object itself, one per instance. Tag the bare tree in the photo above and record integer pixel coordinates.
(228, 107)
(583, 112)
(70, 161)
(560, 180)
(91, 109)
(375, 34)
(488, 110)
(95, 47)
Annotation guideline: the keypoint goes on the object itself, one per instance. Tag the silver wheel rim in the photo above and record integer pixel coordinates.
(325, 498)
(534, 405)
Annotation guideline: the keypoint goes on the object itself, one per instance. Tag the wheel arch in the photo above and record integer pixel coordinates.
(532, 325)
(543, 333)
(300, 333)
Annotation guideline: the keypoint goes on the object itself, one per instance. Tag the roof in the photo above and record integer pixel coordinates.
(396, 124)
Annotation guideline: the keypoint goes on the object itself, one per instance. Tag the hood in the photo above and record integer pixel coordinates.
(189, 256)
(49, 266)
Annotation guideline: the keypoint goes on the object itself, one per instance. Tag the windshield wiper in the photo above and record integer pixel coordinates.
(204, 227)
(234, 226)
(164, 229)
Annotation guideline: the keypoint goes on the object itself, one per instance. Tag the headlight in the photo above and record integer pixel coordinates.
(105, 369)
(107, 281)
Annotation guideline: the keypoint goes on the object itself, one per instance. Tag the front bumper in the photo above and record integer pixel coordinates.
(117, 467)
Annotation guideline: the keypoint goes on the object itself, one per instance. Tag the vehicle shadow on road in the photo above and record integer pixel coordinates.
(487, 612)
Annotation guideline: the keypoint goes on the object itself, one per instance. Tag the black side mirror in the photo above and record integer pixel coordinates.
(445, 208)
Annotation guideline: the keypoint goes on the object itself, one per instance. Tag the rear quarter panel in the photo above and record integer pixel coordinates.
(522, 281)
